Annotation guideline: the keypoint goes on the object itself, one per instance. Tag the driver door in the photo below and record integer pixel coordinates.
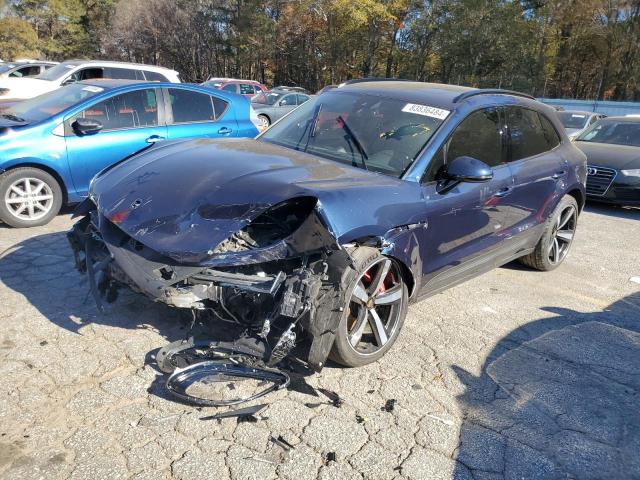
(465, 223)
(130, 122)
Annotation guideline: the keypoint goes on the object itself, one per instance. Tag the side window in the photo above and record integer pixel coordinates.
(246, 89)
(478, 136)
(527, 136)
(191, 106)
(219, 107)
(288, 100)
(230, 87)
(301, 99)
(120, 73)
(550, 133)
(129, 110)
(29, 71)
(155, 76)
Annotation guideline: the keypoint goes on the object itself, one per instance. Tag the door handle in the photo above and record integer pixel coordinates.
(154, 139)
(224, 131)
(559, 174)
(503, 192)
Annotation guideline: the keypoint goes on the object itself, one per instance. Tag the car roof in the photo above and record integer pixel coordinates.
(439, 95)
(625, 119)
(115, 63)
(581, 112)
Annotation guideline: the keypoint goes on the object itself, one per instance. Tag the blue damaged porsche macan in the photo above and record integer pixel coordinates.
(315, 236)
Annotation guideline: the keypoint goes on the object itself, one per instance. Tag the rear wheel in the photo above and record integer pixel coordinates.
(29, 197)
(374, 311)
(557, 237)
(264, 121)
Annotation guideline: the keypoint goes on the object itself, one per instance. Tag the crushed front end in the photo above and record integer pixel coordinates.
(267, 288)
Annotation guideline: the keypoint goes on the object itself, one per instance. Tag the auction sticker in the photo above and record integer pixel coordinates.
(426, 110)
(93, 89)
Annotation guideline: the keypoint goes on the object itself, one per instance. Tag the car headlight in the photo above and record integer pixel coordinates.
(631, 173)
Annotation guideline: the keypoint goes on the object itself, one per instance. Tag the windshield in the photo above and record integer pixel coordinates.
(6, 68)
(617, 133)
(267, 98)
(573, 119)
(383, 135)
(55, 73)
(44, 106)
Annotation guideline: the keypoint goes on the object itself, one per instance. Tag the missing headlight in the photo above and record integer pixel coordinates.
(270, 227)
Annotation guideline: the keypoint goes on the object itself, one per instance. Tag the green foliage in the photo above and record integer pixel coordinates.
(569, 48)
(17, 39)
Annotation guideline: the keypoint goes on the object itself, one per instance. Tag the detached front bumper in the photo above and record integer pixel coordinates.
(275, 301)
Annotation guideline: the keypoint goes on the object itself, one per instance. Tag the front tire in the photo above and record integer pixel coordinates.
(29, 197)
(375, 307)
(557, 237)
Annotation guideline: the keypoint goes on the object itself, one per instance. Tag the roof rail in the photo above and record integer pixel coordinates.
(375, 79)
(490, 91)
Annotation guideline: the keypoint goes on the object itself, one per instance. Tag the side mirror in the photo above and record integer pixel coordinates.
(86, 126)
(468, 169)
(283, 102)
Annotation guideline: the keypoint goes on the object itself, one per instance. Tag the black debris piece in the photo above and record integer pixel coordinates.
(371, 391)
(312, 405)
(329, 457)
(231, 386)
(282, 443)
(43, 343)
(416, 386)
(389, 405)
(360, 419)
(238, 413)
(335, 399)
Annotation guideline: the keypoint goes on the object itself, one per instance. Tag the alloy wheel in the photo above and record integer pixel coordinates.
(29, 199)
(562, 234)
(375, 307)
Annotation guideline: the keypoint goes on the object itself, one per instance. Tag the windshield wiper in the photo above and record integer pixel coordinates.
(355, 141)
(13, 118)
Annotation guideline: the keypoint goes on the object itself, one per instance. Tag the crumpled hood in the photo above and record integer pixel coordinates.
(619, 157)
(183, 198)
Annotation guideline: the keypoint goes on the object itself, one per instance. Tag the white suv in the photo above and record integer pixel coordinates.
(75, 70)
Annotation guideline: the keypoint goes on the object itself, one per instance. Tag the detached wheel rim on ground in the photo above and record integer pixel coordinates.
(29, 199)
(375, 307)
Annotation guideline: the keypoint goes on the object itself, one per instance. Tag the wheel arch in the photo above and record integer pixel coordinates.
(579, 195)
(44, 168)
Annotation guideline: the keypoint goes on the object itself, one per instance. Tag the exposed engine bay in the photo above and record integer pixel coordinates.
(269, 288)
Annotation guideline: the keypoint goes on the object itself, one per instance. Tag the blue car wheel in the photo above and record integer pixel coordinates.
(29, 197)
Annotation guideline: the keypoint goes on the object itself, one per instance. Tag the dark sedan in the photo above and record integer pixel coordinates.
(612, 146)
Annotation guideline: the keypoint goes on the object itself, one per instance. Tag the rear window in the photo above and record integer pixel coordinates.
(190, 107)
(527, 133)
(573, 119)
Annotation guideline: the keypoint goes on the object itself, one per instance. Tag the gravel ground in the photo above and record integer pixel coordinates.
(516, 374)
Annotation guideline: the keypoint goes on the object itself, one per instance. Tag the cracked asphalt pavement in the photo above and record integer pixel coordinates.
(515, 374)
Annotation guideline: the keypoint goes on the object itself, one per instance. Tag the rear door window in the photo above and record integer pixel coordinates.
(246, 89)
(300, 99)
(136, 109)
(120, 73)
(526, 133)
(191, 107)
(230, 87)
(29, 71)
(154, 76)
(550, 132)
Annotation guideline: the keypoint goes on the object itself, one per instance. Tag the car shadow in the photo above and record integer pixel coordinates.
(41, 269)
(556, 398)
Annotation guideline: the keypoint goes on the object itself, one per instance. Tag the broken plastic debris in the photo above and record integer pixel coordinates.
(335, 399)
(282, 443)
(329, 457)
(446, 421)
(389, 406)
(239, 413)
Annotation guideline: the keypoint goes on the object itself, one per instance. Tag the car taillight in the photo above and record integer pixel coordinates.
(3, 91)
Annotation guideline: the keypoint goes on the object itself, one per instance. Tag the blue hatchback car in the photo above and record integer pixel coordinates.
(373, 195)
(52, 145)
